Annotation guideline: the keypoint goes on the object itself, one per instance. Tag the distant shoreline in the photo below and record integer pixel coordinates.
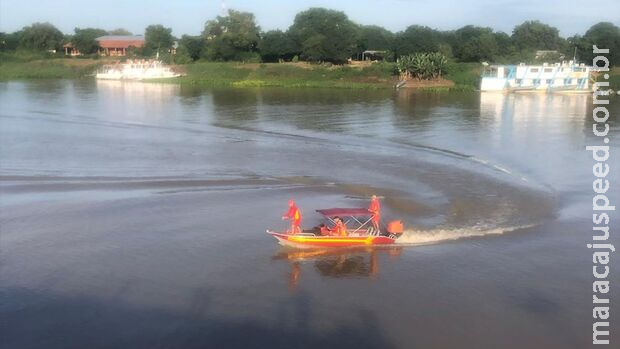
(359, 75)
(380, 75)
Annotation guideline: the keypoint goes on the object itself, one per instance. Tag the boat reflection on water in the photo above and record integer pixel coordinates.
(362, 262)
(152, 92)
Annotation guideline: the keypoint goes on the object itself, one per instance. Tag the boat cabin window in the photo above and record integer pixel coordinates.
(490, 72)
(536, 81)
(548, 70)
(549, 82)
(533, 70)
(519, 81)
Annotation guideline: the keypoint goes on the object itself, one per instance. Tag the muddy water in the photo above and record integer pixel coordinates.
(133, 215)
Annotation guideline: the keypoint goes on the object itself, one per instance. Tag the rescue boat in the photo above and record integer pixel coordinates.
(360, 231)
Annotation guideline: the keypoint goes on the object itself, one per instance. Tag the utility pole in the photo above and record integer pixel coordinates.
(575, 55)
(224, 9)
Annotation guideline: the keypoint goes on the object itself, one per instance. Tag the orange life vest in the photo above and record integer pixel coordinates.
(294, 214)
(340, 229)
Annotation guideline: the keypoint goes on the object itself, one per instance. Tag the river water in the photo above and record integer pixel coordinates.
(133, 215)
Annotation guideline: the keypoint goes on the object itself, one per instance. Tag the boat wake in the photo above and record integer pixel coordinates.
(431, 236)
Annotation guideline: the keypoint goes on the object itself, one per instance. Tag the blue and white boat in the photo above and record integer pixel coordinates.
(566, 77)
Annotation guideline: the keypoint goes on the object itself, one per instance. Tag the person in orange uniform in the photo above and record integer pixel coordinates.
(339, 229)
(294, 215)
(375, 210)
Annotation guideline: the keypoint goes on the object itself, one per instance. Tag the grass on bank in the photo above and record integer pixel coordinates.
(288, 75)
(40, 65)
(37, 65)
(466, 76)
(614, 79)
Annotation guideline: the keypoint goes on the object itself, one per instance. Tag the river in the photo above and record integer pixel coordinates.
(134, 215)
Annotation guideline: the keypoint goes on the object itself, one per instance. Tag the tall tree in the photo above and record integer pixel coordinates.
(324, 35)
(192, 46)
(10, 41)
(418, 38)
(373, 37)
(41, 36)
(504, 44)
(275, 45)
(230, 37)
(534, 35)
(474, 44)
(158, 38)
(84, 39)
(604, 35)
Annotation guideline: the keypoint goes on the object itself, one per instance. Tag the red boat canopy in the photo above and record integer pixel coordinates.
(345, 212)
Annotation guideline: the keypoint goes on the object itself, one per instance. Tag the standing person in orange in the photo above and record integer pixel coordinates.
(294, 215)
(375, 210)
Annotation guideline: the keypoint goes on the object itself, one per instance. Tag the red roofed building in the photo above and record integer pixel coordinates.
(118, 45)
(70, 50)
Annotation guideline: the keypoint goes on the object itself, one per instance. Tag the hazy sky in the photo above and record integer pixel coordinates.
(189, 16)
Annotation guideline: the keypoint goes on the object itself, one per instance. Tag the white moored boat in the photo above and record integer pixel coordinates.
(567, 77)
(136, 70)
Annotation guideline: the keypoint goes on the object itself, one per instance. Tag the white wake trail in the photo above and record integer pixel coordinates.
(422, 237)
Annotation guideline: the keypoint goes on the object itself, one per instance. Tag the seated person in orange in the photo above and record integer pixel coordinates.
(324, 230)
(339, 229)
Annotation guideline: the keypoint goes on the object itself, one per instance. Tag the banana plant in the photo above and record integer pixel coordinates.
(423, 66)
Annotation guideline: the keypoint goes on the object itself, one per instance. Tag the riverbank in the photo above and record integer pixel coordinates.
(47, 69)
(460, 76)
(379, 75)
(29, 65)
(359, 75)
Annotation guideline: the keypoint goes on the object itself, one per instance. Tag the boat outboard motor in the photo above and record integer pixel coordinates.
(395, 229)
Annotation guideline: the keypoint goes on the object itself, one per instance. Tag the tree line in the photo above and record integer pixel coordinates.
(324, 35)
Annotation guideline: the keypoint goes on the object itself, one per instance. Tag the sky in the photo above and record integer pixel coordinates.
(188, 16)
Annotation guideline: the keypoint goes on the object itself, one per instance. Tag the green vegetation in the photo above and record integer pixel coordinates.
(476, 44)
(423, 66)
(324, 35)
(534, 35)
(416, 39)
(317, 39)
(189, 49)
(466, 76)
(157, 38)
(14, 67)
(614, 79)
(374, 37)
(378, 75)
(276, 46)
(84, 39)
(233, 37)
(603, 35)
(40, 37)
(119, 31)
